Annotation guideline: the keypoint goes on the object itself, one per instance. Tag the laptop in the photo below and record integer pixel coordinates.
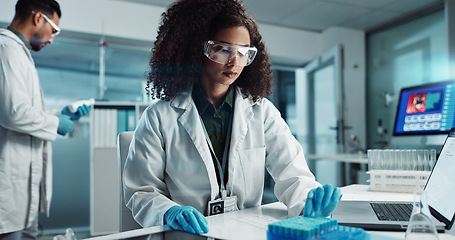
(440, 188)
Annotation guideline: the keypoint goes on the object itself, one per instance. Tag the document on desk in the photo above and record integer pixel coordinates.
(259, 221)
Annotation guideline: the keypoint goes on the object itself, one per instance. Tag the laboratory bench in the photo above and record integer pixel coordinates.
(252, 223)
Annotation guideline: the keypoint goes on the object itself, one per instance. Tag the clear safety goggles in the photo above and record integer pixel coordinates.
(56, 30)
(225, 53)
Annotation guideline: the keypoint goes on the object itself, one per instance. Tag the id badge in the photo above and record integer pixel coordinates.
(218, 206)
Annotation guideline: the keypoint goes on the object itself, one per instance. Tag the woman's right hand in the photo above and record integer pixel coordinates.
(187, 219)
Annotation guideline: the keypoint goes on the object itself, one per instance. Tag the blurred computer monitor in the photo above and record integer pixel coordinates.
(425, 114)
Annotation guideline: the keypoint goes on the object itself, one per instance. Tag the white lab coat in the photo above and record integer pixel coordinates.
(25, 129)
(169, 161)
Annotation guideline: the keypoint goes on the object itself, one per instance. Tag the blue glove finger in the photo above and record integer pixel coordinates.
(336, 195)
(73, 116)
(170, 217)
(333, 203)
(197, 220)
(176, 225)
(202, 221)
(67, 112)
(317, 200)
(308, 204)
(64, 124)
(81, 111)
(328, 190)
(84, 109)
(181, 219)
(186, 218)
(191, 219)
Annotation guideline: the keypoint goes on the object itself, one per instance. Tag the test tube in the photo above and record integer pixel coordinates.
(420, 161)
(397, 159)
(403, 163)
(408, 162)
(370, 154)
(391, 159)
(376, 164)
(426, 160)
(377, 160)
(414, 160)
(383, 159)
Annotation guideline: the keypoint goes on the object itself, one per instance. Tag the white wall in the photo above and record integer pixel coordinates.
(291, 45)
(354, 75)
(113, 18)
(140, 22)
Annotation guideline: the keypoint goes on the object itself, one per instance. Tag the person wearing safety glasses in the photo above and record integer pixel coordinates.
(26, 129)
(202, 148)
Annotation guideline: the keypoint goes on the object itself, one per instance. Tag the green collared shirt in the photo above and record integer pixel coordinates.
(20, 36)
(216, 120)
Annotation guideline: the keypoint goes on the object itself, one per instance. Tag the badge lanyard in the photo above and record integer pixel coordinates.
(221, 167)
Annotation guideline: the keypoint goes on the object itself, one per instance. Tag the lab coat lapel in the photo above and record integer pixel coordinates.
(10, 34)
(191, 123)
(243, 113)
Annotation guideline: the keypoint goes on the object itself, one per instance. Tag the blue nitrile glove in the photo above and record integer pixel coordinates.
(187, 219)
(81, 111)
(322, 201)
(64, 124)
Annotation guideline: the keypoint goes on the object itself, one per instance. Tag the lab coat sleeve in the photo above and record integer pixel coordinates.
(286, 162)
(145, 190)
(17, 110)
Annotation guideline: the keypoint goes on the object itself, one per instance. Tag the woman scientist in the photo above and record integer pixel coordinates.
(203, 147)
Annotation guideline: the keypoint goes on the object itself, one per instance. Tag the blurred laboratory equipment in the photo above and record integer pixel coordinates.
(69, 235)
(420, 224)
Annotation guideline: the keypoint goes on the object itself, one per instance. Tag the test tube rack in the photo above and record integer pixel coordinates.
(397, 180)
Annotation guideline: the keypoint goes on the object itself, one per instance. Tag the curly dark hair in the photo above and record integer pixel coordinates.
(177, 56)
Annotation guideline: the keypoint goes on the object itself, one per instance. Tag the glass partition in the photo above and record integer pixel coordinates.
(69, 71)
(409, 54)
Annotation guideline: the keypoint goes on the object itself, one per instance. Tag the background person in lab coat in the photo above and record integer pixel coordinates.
(25, 127)
(213, 130)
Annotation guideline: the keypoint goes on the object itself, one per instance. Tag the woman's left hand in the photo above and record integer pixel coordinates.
(322, 201)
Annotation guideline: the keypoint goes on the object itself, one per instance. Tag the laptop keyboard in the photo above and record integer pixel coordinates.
(392, 211)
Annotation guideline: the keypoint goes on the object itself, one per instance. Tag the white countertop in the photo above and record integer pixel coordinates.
(252, 223)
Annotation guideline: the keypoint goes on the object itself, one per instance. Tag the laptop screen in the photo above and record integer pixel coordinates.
(441, 185)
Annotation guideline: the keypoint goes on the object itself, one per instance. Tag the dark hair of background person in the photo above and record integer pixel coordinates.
(24, 8)
(178, 55)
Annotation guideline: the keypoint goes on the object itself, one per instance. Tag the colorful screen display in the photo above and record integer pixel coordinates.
(426, 109)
